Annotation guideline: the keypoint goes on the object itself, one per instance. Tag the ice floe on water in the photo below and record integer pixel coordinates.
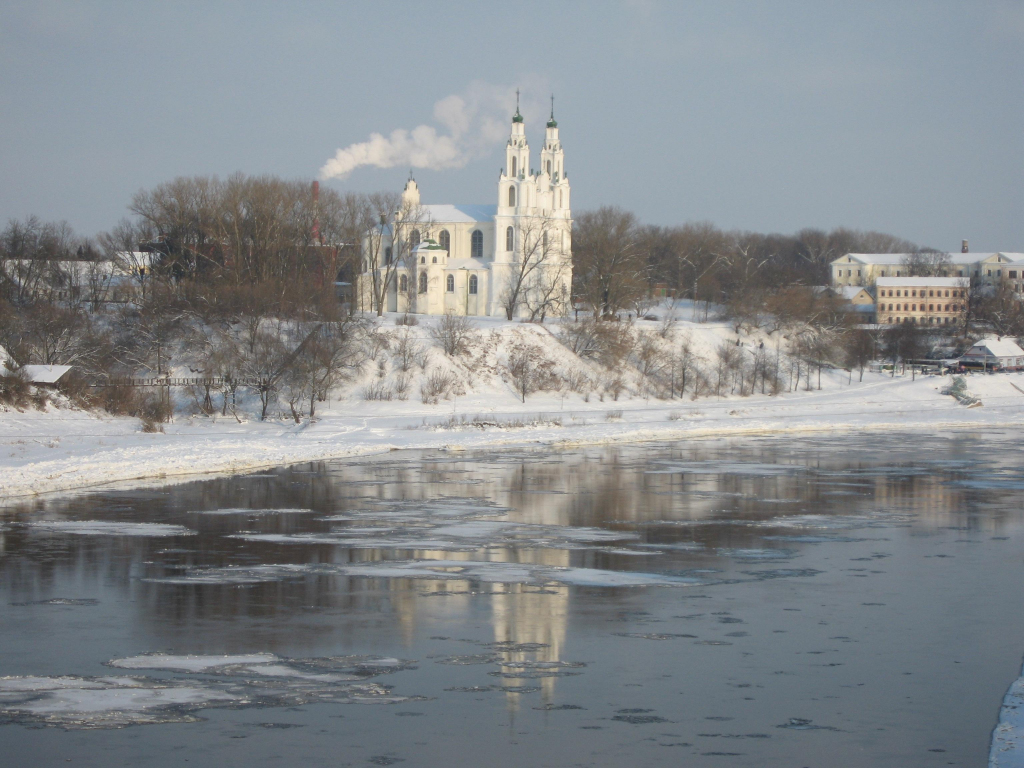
(109, 528)
(724, 468)
(465, 570)
(1007, 749)
(253, 512)
(244, 680)
(459, 535)
(189, 663)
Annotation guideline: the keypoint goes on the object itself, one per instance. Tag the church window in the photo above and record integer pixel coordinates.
(434, 260)
(513, 167)
(423, 259)
(403, 283)
(476, 242)
(473, 284)
(423, 282)
(511, 197)
(549, 167)
(510, 239)
(559, 198)
(445, 240)
(449, 283)
(414, 238)
(387, 255)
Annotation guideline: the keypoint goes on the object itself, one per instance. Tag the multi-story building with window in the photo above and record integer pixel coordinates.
(865, 268)
(921, 300)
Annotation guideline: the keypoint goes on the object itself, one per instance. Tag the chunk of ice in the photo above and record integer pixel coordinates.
(189, 663)
(108, 528)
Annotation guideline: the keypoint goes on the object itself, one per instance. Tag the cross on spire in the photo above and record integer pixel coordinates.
(551, 121)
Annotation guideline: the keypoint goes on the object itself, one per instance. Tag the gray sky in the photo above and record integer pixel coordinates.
(906, 117)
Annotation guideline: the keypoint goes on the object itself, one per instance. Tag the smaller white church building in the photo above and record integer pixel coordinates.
(512, 259)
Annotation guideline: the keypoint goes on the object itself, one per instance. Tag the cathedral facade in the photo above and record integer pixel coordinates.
(512, 259)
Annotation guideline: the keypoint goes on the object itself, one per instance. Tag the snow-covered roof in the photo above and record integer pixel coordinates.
(428, 245)
(465, 264)
(899, 258)
(43, 374)
(912, 282)
(995, 348)
(460, 214)
(849, 292)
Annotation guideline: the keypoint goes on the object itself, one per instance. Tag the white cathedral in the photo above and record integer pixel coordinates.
(510, 259)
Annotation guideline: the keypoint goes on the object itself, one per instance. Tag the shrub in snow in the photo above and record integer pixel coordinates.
(379, 390)
(437, 386)
(406, 351)
(406, 319)
(453, 333)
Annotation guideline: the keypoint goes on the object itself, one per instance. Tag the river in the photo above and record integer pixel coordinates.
(849, 600)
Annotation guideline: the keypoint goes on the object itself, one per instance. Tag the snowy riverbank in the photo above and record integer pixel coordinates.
(60, 450)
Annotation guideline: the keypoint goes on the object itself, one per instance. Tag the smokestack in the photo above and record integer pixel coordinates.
(316, 212)
(963, 247)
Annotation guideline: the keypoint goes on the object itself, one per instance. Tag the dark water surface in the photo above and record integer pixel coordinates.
(827, 601)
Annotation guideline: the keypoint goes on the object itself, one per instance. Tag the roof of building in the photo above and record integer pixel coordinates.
(910, 282)
(460, 214)
(995, 348)
(43, 374)
(465, 264)
(849, 292)
(899, 258)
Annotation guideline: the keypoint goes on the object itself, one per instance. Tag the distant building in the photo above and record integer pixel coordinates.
(994, 354)
(921, 300)
(857, 301)
(866, 268)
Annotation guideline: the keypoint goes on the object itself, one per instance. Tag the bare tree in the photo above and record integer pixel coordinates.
(926, 263)
(536, 277)
(609, 267)
(389, 243)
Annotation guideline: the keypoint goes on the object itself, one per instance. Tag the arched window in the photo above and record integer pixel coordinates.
(513, 167)
(449, 284)
(549, 167)
(403, 283)
(510, 239)
(559, 198)
(444, 240)
(414, 238)
(387, 255)
(423, 282)
(476, 242)
(472, 284)
(511, 197)
(434, 260)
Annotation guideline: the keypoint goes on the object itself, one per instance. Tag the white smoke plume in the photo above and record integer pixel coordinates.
(471, 123)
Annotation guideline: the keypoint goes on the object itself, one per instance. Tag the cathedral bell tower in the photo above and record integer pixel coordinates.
(512, 192)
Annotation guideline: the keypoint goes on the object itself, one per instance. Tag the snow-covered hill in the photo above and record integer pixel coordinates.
(580, 401)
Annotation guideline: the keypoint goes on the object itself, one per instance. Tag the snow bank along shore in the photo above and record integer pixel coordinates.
(62, 449)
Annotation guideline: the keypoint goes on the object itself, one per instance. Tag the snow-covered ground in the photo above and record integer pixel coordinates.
(1008, 737)
(62, 449)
